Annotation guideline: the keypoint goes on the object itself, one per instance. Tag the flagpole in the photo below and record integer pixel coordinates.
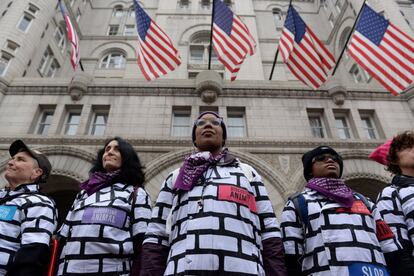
(81, 66)
(277, 52)
(211, 37)
(349, 37)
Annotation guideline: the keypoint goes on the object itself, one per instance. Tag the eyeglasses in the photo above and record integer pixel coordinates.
(325, 158)
(203, 122)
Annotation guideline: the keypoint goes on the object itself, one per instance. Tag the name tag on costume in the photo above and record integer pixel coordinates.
(357, 208)
(237, 194)
(7, 212)
(364, 269)
(104, 215)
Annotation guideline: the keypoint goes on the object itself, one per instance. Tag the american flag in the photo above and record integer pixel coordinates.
(383, 50)
(232, 41)
(305, 55)
(72, 37)
(156, 53)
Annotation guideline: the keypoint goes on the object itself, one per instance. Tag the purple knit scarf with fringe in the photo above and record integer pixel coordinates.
(195, 165)
(98, 180)
(333, 188)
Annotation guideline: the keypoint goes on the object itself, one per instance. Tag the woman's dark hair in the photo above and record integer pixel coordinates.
(400, 142)
(131, 169)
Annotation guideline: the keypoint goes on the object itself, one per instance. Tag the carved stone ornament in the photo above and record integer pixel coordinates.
(337, 92)
(79, 85)
(209, 86)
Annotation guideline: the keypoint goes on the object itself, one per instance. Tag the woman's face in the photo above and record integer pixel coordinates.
(112, 159)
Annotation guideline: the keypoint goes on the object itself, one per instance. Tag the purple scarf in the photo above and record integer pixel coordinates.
(195, 165)
(97, 181)
(334, 189)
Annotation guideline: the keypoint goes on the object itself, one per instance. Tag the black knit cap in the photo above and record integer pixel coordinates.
(41, 159)
(223, 126)
(307, 160)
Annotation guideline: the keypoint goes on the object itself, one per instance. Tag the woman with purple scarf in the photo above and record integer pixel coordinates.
(104, 229)
(213, 215)
(328, 229)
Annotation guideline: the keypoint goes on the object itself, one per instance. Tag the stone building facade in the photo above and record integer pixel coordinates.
(69, 115)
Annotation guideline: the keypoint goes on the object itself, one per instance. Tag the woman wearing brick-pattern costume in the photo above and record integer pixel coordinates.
(27, 218)
(104, 229)
(213, 215)
(333, 231)
(396, 201)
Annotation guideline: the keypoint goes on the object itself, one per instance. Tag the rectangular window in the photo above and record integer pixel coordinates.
(24, 22)
(181, 121)
(4, 63)
(72, 123)
(45, 122)
(113, 29)
(45, 60)
(99, 120)
(342, 127)
(370, 124)
(59, 37)
(368, 128)
(315, 122)
(53, 69)
(99, 124)
(130, 30)
(236, 123)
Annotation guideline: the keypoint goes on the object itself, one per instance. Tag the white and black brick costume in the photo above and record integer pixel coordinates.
(218, 227)
(99, 231)
(396, 205)
(337, 241)
(27, 222)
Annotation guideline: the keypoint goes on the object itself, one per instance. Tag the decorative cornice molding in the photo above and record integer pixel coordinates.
(187, 89)
(166, 144)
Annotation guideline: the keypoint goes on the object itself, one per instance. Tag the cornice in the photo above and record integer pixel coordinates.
(252, 145)
(186, 88)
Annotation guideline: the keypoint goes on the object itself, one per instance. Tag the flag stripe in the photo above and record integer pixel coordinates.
(381, 73)
(382, 59)
(365, 65)
(157, 56)
(305, 55)
(383, 50)
(232, 40)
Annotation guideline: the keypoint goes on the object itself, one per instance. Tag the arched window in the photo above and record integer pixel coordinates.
(118, 11)
(199, 49)
(113, 60)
